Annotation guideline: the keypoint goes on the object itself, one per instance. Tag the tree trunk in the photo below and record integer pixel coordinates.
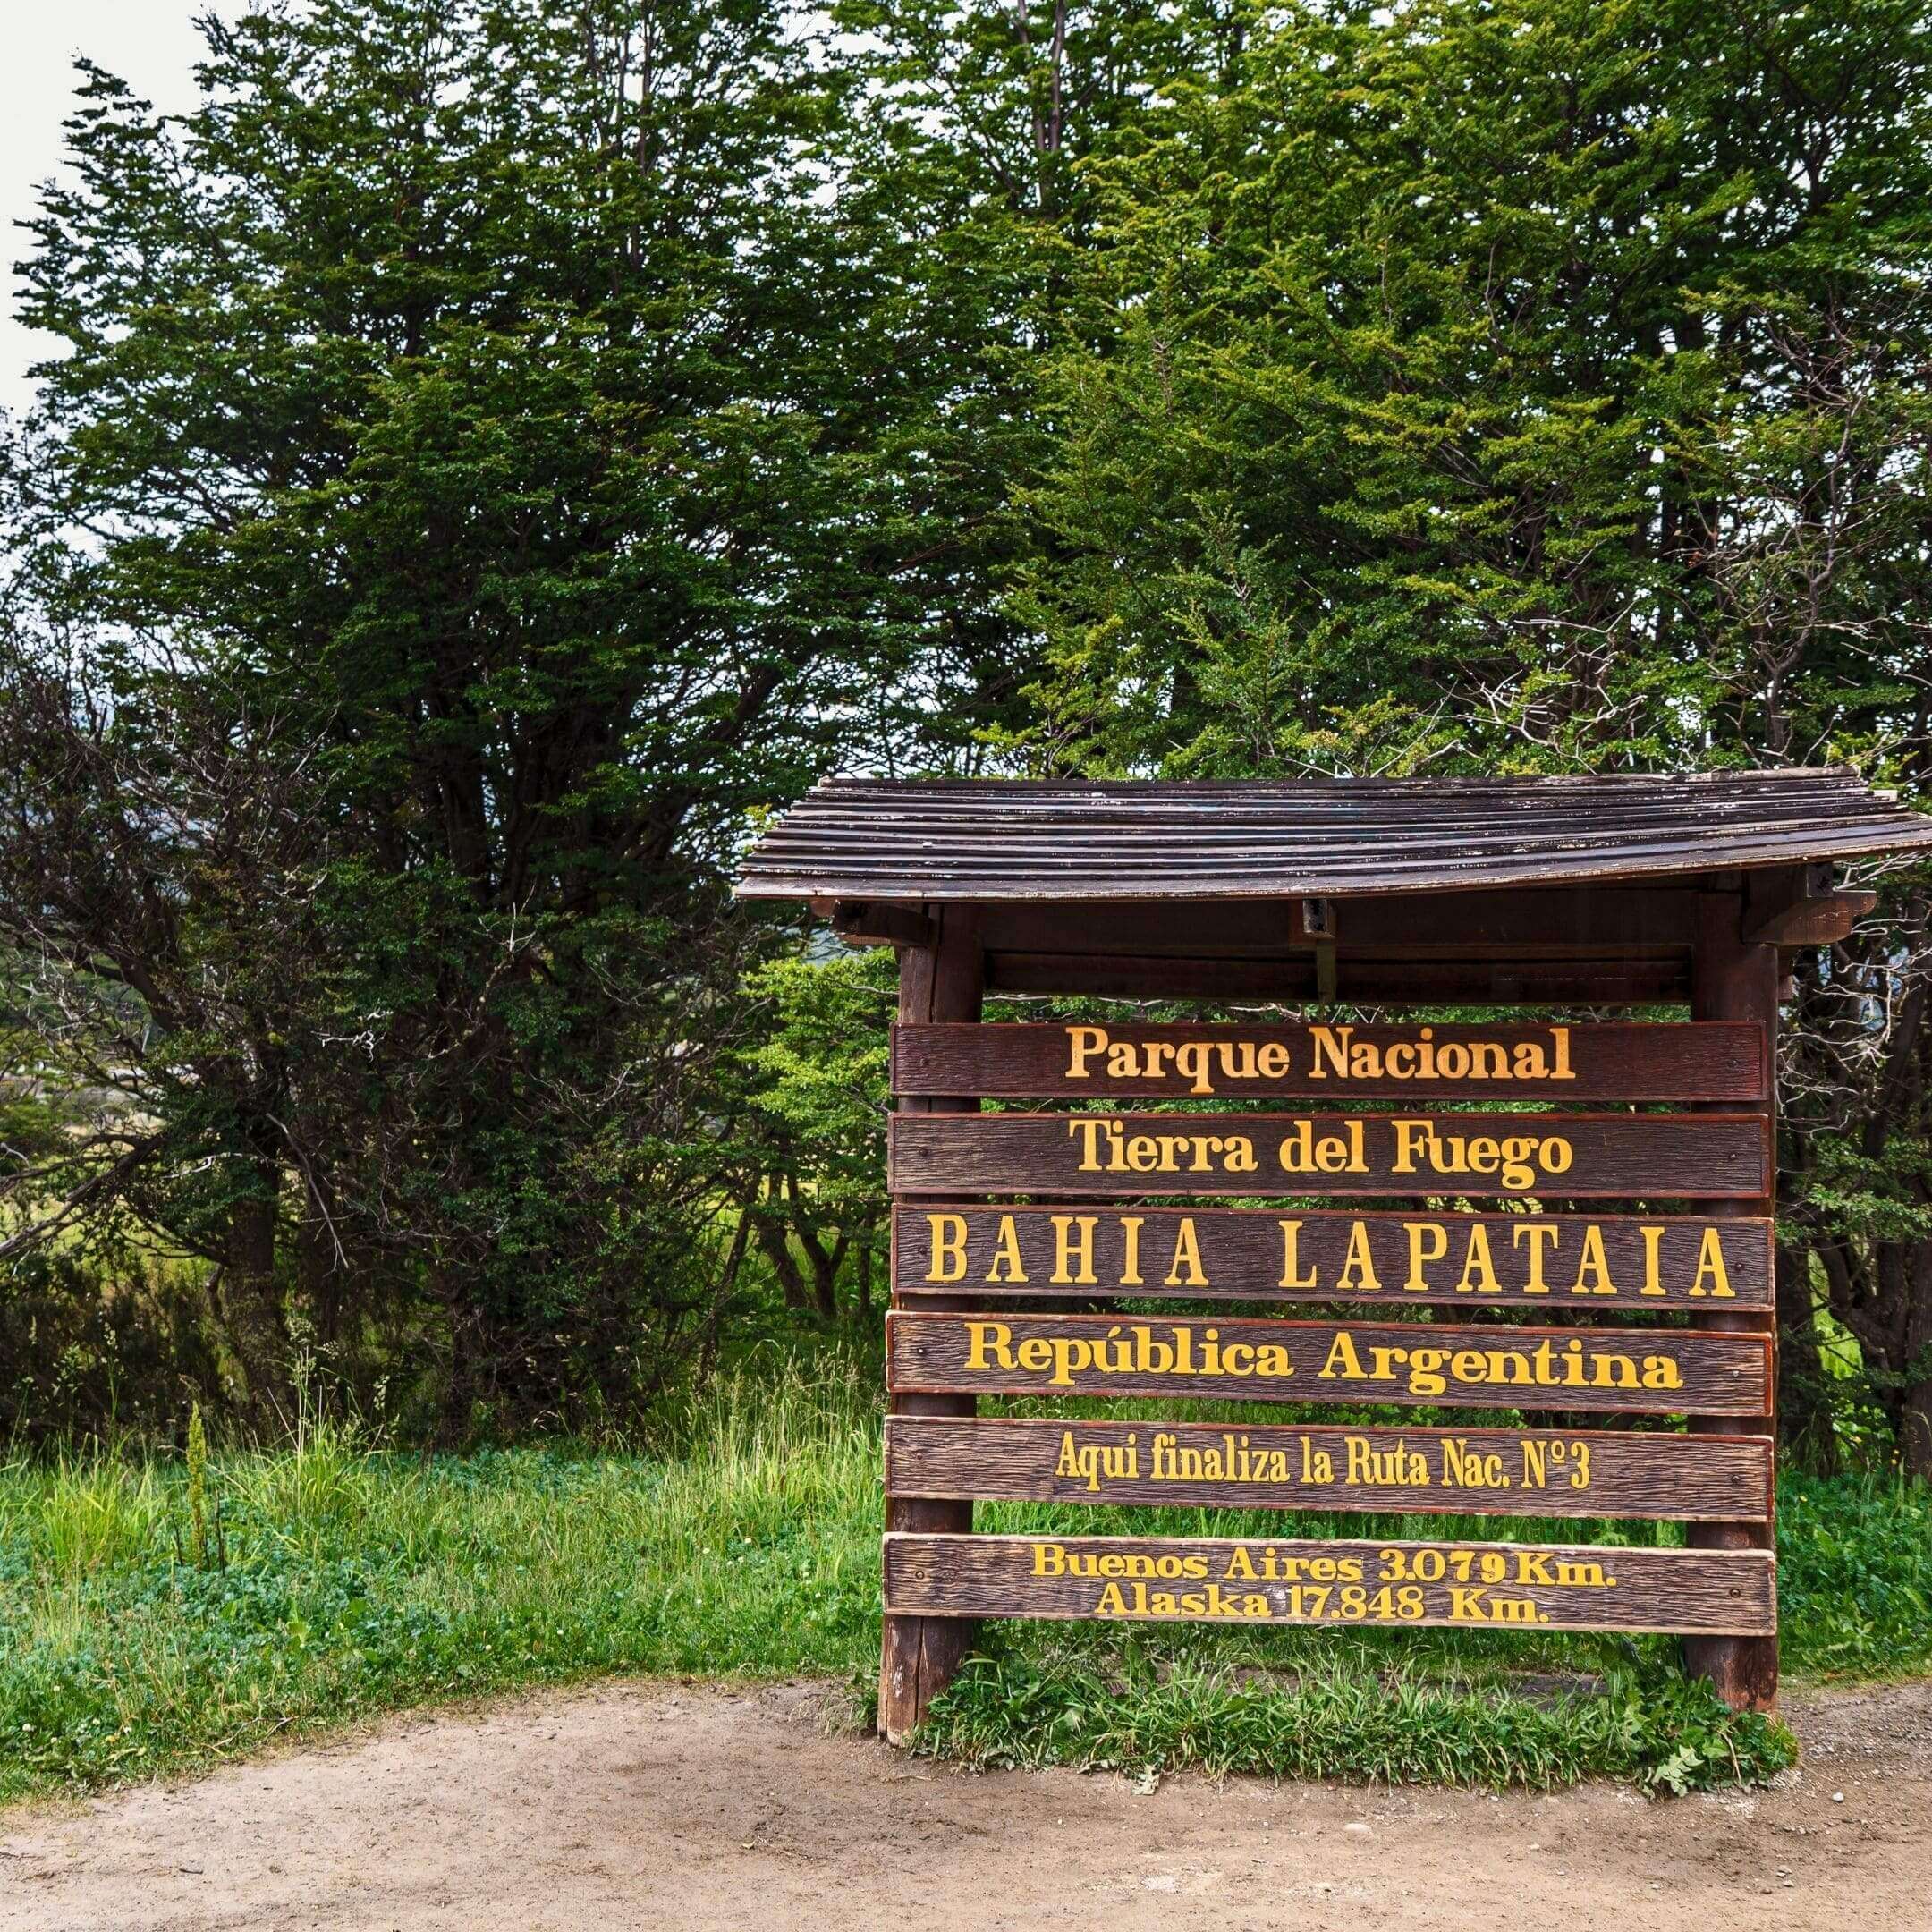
(774, 1238)
(322, 1283)
(1915, 1430)
(250, 1302)
(1915, 1368)
(1804, 1396)
(825, 1267)
(1882, 1291)
(727, 1286)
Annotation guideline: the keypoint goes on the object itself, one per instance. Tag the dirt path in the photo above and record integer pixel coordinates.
(691, 1810)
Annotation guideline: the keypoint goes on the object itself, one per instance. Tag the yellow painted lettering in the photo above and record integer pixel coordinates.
(1186, 1256)
(1710, 1264)
(946, 1235)
(1071, 1249)
(1428, 1240)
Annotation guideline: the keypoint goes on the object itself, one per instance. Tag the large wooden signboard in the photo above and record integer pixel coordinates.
(1520, 1254)
(1565, 1223)
(1111, 1250)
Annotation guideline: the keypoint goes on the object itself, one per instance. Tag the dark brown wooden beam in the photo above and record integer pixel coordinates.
(1621, 921)
(861, 922)
(1125, 1061)
(1736, 979)
(1797, 906)
(1551, 1586)
(1314, 1466)
(1295, 979)
(940, 981)
(1141, 977)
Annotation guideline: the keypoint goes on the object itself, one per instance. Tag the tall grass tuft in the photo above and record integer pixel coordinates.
(205, 1549)
(322, 1479)
(92, 1514)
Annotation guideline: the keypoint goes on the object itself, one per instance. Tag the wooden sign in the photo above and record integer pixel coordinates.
(1209, 1465)
(1560, 1156)
(1339, 1062)
(1647, 1370)
(1598, 1262)
(1475, 1586)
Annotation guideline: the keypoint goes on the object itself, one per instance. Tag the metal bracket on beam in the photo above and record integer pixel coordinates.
(1315, 926)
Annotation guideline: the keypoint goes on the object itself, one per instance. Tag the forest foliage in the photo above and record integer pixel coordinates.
(491, 453)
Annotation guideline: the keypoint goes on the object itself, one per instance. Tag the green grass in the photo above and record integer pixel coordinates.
(359, 1582)
(1142, 1709)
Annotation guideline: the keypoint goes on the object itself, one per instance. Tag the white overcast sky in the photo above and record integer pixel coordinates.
(151, 44)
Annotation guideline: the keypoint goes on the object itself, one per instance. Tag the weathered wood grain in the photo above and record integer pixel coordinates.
(1364, 982)
(1641, 1370)
(919, 1655)
(990, 840)
(1736, 979)
(1549, 922)
(1523, 1155)
(1594, 1263)
(1361, 981)
(1306, 1466)
(1520, 1586)
(1337, 1062)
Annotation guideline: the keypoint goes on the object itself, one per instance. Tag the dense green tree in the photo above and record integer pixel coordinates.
(496, 447)
(1445, 385)
(1535, 386)
(818, 1095)
(487, 419)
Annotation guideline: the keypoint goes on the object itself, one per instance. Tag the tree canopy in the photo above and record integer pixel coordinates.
(493, 450)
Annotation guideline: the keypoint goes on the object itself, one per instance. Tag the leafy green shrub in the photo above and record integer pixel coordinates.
(1855, 1575)
(97, 1349)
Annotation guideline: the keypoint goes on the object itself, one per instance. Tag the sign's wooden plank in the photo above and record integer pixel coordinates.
(1336, 1061)
(1400, 980)
(1597, 1264)
(1554, 1156)
(1643, 1370)
(1474, 1472)
(1474, 1586)
(1547, 923)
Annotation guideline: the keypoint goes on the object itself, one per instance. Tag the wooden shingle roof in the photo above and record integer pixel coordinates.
(994, 841)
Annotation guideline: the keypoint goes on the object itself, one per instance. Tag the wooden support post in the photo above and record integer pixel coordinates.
(1734, 980)
(919, 1655)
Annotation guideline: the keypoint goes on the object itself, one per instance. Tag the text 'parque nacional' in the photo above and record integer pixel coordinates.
(1510, 1061)
(1337, 1054)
